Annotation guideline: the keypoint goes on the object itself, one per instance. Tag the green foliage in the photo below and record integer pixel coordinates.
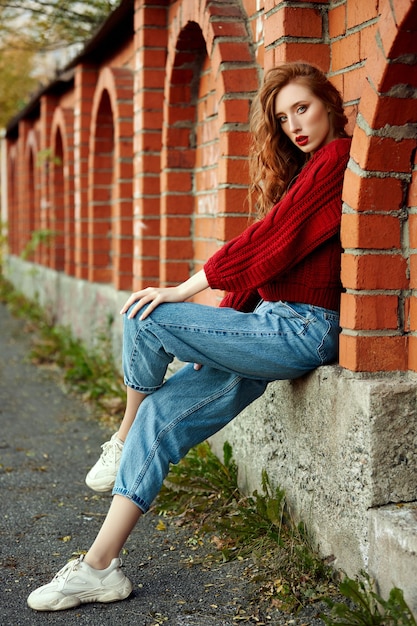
(47, 25)
(204, 491)
(367, 608)
(37, 238)
(16, 80)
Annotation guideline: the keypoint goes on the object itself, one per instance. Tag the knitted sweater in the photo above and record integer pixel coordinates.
(293, 253)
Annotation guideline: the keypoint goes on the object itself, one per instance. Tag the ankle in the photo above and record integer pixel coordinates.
(97, 563)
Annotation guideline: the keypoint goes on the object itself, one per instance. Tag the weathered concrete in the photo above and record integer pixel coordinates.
(341, 445)
(89, 309)
(393, 550)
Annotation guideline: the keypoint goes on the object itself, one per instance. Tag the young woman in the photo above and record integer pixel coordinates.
(279, 320)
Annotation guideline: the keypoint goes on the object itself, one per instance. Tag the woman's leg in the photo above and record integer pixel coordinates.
(134, 400)
(277, 341)
(121, 518)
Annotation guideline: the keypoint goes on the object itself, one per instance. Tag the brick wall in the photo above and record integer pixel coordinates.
(138, 159)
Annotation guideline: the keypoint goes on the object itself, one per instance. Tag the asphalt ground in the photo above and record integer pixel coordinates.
(49, 440)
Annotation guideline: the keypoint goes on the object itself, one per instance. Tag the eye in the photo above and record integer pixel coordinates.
(302, 108)
(282, 119)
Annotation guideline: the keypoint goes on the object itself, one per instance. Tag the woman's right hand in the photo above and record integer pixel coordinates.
(153, 297)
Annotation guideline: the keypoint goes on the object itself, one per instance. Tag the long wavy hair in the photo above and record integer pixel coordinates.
(274, 160)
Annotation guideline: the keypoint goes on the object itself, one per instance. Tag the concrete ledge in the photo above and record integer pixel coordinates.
(393, 550)
(339, 444)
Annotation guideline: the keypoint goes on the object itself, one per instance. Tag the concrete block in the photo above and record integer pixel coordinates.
(338, 444)
(393, 550)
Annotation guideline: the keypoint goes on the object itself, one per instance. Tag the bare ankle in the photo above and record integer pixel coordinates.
(96, 563)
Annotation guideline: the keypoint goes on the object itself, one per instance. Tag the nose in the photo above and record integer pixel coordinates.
(293, 123)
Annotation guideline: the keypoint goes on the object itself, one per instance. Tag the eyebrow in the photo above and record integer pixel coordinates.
(293, 106)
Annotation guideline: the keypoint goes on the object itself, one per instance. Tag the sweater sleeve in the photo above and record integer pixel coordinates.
(244, 301)
(308, 215)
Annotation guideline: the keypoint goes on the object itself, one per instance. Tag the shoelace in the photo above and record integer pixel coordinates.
(63, 573)
(109, 452)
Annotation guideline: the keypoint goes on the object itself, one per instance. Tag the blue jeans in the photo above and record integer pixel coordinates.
(240, 354)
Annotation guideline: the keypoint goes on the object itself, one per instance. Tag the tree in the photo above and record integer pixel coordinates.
(32, 30)
(16, 81)
(50, 24)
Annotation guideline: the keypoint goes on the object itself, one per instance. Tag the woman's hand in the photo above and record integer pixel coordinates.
(152, 296)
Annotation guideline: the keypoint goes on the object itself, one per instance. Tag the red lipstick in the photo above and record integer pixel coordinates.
(301, 140)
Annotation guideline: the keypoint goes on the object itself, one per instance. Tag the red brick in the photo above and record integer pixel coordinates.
(372, 194)
(411, 318)
(337, 21)
(380, 232)
(233, 111)
(367, 40)
(232, 80)
(292, 22)
(359, 12)
(413, 271)
(345, 52)
(369, 312)
(175, 227)
(412, 191)
(374, 271)
(412, 353)
(405, 12)
(234, 143)
(229, 52)
(382, 154)
(373, 354)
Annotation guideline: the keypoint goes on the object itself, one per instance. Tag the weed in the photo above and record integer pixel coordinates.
(204, 492)
(365, 607)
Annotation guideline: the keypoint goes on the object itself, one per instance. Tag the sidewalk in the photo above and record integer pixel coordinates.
(47, 444)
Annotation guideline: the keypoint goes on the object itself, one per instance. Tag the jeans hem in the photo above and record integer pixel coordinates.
(141, 504)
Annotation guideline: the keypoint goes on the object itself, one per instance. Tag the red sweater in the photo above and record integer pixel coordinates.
(293, 253)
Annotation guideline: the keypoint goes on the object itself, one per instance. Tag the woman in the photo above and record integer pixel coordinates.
(279, 320)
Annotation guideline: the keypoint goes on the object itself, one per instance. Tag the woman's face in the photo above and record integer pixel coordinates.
(303, 117)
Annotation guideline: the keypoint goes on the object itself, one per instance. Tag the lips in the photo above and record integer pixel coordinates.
(301, 140)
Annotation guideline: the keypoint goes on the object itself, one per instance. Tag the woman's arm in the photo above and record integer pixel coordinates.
(153, 296)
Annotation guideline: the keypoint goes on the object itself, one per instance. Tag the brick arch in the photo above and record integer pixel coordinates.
(379, 268)
(110, 247)
(12, 196)
(205, 139)
(61, 192)
(29, 218)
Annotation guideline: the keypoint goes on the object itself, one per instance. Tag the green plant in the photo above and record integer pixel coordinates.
(204, 492)
(3, 241)
(37, 238)
(365, 607)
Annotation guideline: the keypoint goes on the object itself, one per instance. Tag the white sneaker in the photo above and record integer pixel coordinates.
(101, 477)
(78, 583)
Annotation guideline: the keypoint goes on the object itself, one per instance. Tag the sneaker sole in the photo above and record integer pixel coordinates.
(70, 602)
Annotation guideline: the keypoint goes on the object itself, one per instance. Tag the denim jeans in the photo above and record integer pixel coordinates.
(240, 353)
